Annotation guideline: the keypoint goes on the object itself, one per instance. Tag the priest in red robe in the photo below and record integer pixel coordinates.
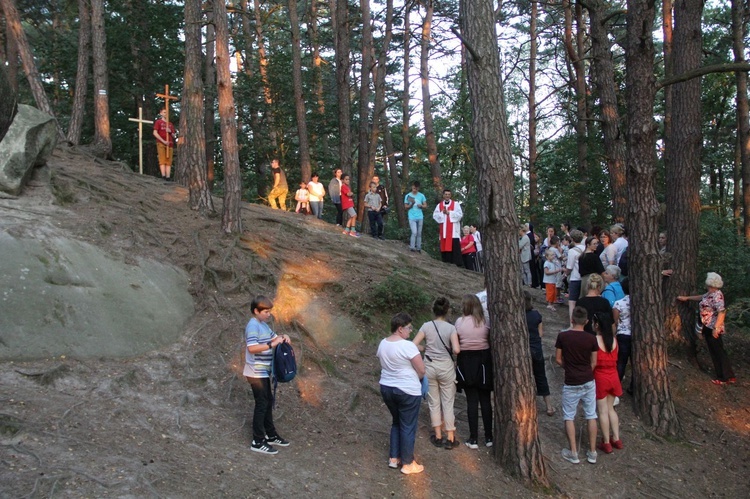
(448, 215)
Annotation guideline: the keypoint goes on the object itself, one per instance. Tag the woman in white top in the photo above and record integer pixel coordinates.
(401, 371)
(441, 343)
(317, 193)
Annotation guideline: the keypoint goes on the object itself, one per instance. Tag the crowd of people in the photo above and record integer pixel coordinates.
(459, 245)
(589, 268)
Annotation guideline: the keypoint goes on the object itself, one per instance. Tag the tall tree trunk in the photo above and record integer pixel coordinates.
(614, 137)
(653, 400)
(11, 56)
(424, 73)
(575, 54)
(396, 188)
(340, 11)
(667, 35)
(209, 75)
(517, 444)
(683, 173)
(320, 108)
(13, 24)
(379, 120)
(231, 220)
(533, 176)
(269, 122)
(102, 140)
(82, 73)
(299, 100)
(739, 31)
(191, 162)
(363, 160)
(406, 97)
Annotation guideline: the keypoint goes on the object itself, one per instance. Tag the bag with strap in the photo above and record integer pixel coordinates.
(284, 363)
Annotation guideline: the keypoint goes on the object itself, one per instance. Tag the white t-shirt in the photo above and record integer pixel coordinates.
(552, 265)
(621, 244)
(396, 369)
(317, 191)
(572, 264)
(623, 306)
(477, 240)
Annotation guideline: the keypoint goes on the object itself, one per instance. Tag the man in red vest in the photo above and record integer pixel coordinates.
(448, 215)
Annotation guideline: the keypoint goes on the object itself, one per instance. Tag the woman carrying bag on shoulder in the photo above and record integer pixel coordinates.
(441, 342)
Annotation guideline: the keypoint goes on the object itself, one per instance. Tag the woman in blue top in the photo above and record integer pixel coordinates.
(415, 201)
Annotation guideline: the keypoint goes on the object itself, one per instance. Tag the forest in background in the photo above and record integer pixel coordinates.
(603, 124)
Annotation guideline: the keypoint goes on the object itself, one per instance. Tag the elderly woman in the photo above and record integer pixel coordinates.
(400, 386)
(441, 343)
(712, 316)
(612, 287)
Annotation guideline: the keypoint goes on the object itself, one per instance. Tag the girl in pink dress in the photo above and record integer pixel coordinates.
(607, 382)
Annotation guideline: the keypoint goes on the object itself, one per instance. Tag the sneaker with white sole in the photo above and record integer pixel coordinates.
(591, 456)
(568, 455)
(263, 448)
(488, 442)
(411, 468)
(277, 440)
(472, 444)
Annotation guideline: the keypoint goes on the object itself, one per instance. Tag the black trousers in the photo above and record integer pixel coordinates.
(478, 397)
(722, 367)
(540, 375)
(339, 214)
(453, 256)
(263, 413)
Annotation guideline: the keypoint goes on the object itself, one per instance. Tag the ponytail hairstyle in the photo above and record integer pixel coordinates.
(602, 324)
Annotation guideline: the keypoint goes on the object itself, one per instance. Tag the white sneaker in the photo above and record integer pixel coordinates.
(616, 402)
(591, 456)
(569, 456)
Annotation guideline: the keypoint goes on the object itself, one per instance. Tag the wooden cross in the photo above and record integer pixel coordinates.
(140, 121)
(166, 98)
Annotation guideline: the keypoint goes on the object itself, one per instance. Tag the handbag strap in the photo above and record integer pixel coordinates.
(437, 331)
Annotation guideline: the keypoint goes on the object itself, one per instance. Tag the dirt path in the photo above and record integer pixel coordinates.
(175, 422)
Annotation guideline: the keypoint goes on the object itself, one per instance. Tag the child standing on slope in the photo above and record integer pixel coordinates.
(260, 340)
(347, 205)
(552, 270)
(302, 196)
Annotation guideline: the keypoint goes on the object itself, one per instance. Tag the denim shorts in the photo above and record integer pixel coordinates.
(585, 393)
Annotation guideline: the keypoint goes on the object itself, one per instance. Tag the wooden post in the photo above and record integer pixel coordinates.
(140, 122)
(167, 98)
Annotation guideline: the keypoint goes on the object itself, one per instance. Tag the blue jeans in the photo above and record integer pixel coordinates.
(317, 208)
(416, 234)
(404, 409)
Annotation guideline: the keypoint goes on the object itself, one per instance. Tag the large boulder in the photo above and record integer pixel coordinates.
(8, 102)
(28, 143)
(66, 297)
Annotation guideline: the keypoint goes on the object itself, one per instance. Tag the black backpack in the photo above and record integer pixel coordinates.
(284, 363)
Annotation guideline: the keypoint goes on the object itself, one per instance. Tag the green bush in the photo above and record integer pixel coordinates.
(396, 294)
